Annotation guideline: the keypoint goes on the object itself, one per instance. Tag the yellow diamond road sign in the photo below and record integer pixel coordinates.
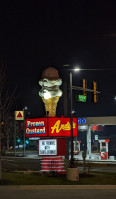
(19, 115)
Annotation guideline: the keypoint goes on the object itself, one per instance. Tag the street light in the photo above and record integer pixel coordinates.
(71, 117)
(78, 88)
(76, 69)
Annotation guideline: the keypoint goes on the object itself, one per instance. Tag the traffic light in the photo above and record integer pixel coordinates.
(95, 94)
(2, 123)
(18, 140)
(27, 141)
(84, 85)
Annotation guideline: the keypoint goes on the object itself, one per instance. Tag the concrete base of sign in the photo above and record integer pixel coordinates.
(72, 174)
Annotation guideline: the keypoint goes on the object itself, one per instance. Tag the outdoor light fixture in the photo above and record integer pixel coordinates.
(25, 108)
(76, 69)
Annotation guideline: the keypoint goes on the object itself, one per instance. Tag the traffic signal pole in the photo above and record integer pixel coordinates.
(94, 91)
(86, 89)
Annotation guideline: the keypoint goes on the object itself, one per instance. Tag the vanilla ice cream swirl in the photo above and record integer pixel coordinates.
(50, 88)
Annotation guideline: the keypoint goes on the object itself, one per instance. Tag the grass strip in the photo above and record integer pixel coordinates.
(94, 178)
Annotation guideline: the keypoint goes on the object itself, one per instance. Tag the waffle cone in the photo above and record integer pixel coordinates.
(51, 105)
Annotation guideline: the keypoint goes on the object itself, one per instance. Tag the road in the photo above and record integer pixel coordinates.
(20, 163)
(56, 192)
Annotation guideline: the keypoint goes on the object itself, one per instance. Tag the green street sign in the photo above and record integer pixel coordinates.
(82, 98)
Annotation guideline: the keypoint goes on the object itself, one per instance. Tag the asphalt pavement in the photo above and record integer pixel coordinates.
(20, 164)
(58, 191)
(24, 163)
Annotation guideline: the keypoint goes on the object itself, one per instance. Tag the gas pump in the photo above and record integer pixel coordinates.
(77, 146)
(104, 149)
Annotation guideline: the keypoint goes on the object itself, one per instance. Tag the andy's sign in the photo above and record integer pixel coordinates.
(61, 127)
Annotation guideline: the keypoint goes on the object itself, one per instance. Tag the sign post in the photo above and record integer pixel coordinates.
(18, 116)
(14, 136)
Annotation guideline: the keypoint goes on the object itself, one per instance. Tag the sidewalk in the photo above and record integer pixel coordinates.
(60, 191)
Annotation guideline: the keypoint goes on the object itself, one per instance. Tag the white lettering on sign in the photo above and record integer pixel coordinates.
(35, 124)
(35, 131)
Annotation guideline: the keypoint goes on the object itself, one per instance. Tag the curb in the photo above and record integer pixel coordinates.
(43, 187)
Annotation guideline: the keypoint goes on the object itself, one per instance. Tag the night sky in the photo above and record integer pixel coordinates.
(36, 35)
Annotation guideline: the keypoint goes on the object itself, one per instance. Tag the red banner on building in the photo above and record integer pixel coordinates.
(61, 127)
(36, 127)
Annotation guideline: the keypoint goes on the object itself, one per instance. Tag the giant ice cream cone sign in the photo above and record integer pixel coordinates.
(50, 92)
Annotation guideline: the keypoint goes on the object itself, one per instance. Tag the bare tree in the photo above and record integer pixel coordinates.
(6, 100)
(2, 83)
(6, 114)
(8, 130)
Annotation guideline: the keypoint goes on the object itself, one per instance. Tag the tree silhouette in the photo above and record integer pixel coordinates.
(6, 100)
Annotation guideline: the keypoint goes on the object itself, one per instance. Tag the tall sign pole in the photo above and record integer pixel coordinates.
(24, 133)
(19, 116)
(14, 135)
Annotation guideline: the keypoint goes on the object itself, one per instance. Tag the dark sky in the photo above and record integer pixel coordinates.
(36, 35)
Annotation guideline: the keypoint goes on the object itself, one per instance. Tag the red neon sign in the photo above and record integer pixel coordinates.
(36, 127)
(61, 127)
(57, 127)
